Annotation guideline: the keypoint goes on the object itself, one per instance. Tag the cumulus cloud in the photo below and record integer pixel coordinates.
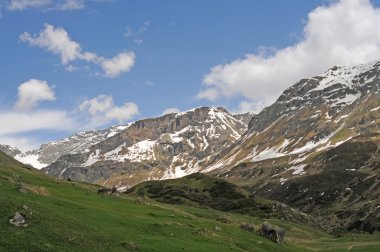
(57, 41)
(103, 110)
(123, 113)
(122, 62)
(343, 32)
(170, 111)
(32, 92)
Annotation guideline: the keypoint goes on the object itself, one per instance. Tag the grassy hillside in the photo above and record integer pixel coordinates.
(68, 216)
(203, 191)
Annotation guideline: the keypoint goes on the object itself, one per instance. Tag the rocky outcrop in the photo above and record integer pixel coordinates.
(272, 232)
(18, 220)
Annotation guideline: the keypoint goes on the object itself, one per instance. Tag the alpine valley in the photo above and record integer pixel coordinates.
(311, 158)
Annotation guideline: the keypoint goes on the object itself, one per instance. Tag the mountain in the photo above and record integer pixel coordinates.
(312, 116)
(317, 149)
(169, 146)
(9, 150)
(78, 143)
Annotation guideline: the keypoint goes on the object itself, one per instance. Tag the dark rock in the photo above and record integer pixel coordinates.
(272, 232)
(107, 191)
(23, 190)
(18, 220)
(247, 227)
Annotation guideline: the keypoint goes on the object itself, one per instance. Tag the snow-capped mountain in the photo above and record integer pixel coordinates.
(312, 116)
(77, 143)
(317, 149)
(9, 150)
(170, 146)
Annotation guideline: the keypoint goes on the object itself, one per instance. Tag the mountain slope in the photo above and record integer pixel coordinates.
(166, 147)
(316, 149)
(9, 150)
(314, 115)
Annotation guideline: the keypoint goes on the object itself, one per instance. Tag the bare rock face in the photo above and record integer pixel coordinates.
(170, 146)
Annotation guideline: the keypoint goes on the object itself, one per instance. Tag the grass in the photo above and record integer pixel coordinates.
(73, 217)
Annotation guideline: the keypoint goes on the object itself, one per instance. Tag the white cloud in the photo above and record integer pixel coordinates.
(343, 32)
(26, 117)
(58, 41)
(97, 105)
(103, 110)
(170, 111)
(32, 92)
(55, 40)
(209, 94)
(18, 5)
(123, 113)
(15, 124)
(18, 121)
(122, 62)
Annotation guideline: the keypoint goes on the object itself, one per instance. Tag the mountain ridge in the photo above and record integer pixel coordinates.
(169, 146)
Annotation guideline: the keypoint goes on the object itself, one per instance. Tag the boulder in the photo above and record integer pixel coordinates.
(107, 191)
(23, 190)
(18, 220)
(247, 227)
(272, 232)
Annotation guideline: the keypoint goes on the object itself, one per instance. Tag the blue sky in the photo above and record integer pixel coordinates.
(169, 50)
